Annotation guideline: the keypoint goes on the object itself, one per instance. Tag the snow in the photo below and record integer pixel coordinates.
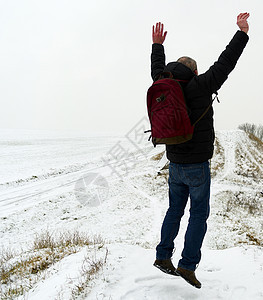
(126, 200)
(220, 279)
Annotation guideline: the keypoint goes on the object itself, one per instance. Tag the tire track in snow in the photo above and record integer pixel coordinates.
(20, 197)
(228, 141)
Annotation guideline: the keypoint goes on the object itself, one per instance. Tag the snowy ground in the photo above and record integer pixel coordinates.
(110, 186)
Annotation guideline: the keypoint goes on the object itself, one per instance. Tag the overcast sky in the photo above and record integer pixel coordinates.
(85, 65)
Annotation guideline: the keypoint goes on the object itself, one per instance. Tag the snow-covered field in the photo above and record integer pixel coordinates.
(110, 186)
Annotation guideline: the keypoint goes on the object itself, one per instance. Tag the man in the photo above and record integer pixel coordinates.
(189, 173)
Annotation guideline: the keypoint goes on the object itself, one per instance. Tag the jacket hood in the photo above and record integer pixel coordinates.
(179, 71)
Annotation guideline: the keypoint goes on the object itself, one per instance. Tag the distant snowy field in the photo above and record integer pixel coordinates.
(24, 154)
(110, 186)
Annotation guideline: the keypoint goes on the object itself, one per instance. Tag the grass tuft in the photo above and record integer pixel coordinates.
(218, 161)
(158, 156)
(20, 271)
(89, 270)
(239, 213)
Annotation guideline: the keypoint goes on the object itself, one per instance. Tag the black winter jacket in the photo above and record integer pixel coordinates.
(198, 93)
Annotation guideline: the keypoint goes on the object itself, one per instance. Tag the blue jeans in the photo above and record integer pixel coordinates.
(186, 180)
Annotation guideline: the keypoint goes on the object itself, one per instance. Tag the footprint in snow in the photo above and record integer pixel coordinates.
(147, 278)
(212, 269)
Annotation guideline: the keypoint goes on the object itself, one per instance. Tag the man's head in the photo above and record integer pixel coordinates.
(189, 62)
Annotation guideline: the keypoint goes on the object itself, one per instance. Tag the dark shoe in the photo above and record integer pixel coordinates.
(166, 266)
(189, 276)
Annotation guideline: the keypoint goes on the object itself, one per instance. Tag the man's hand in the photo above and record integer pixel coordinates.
(242, 22)
(158, 35)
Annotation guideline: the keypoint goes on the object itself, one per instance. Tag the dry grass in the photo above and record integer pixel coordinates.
(218, 161)
(239, 213)
(19, 272)
(249, 203)
(254, 240)
(90, 268)
(65, 240)
(158, 156)
(257, 142)
(164, 174)
(6, 254)
(246, 167)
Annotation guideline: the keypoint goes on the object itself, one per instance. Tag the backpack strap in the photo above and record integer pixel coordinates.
(207, 109)
(203, 114)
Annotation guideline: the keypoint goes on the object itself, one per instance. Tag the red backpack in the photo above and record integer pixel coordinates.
(167, 111)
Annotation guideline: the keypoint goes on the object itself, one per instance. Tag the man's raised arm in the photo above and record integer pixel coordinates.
(218, 73)
(157, 56)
